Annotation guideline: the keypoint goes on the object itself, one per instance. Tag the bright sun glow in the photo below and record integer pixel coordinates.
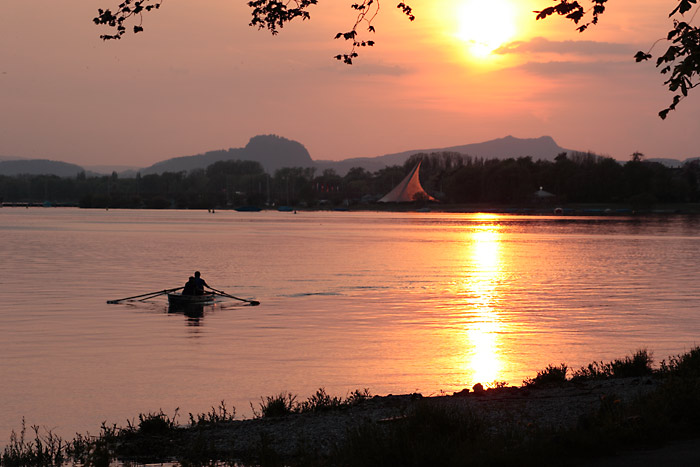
(486, 25)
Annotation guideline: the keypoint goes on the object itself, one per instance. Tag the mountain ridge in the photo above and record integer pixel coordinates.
(543, 147)
(39, 167)
(274, 152)
(261, 148)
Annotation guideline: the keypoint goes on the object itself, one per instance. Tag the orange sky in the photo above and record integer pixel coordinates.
(198, 79)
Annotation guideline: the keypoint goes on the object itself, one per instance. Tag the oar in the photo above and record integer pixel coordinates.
(158, 294)
(144, 295)
(224, 294)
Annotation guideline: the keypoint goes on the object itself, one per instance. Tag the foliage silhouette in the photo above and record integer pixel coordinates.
(681, 61)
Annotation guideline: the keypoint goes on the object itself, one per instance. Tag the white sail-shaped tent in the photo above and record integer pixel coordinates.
(408, 190)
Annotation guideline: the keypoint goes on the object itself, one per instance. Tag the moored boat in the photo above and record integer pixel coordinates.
(177, 299)
(248, 209)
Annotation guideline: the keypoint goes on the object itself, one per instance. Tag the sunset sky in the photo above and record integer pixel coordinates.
(199, 78)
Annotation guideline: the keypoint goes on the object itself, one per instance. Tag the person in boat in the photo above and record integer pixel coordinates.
(190, 287)
(199, 283)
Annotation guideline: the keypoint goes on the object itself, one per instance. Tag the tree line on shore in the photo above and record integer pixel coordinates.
(450, 177)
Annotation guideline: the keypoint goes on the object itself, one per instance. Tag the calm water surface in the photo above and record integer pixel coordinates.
(393, 302)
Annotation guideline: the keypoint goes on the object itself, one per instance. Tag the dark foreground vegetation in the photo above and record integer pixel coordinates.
(450, 177)
(625, 404)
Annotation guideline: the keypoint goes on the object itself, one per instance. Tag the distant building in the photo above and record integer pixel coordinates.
(543, 197)
(408, 190)
(541, 194)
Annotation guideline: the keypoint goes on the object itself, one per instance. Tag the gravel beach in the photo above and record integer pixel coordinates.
(319, 432)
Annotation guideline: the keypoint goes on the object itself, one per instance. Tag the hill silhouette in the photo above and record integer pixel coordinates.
(275, 152)
(10, 158)
(39, 167)
(543, 147)
(271, 151)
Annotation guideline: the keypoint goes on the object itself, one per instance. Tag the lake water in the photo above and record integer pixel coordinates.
(393, 302)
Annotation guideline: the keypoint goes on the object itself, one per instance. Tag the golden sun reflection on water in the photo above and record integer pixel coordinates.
(482, 359)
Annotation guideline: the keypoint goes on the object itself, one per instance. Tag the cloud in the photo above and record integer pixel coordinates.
(543, 57)
(558, 68)
(540, 45)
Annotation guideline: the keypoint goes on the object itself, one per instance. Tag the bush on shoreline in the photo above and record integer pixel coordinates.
(286, 404)
(639, 364)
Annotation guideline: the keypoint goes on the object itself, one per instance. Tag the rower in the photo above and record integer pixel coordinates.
(190, 287)
(199, 283)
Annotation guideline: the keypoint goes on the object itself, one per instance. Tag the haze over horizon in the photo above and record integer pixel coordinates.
(199, 79)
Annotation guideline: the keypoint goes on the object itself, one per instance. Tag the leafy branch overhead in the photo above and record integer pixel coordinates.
(366, 12)
(266, 14)
(681, 61)
(273, 14)
(125, 11)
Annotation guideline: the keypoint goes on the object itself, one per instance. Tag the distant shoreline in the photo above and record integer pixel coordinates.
(597, 209)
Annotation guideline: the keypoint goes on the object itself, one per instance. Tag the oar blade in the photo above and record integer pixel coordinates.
(224, 294)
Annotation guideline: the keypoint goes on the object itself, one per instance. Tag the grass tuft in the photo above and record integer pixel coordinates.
(156, 423)
(285, 404)
(640, 364)
(277, 406)
(45, 450)
(552, 375)
(319, 402)
(218, 414)
(357, 397)
(684, 365)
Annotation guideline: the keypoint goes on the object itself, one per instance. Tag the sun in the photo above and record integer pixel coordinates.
(485, 25)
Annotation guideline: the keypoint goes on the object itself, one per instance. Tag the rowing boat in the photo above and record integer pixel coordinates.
(178, 299)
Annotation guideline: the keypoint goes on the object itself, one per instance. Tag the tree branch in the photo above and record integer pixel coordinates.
(681, 60)
(266, 14)
(126, 10)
